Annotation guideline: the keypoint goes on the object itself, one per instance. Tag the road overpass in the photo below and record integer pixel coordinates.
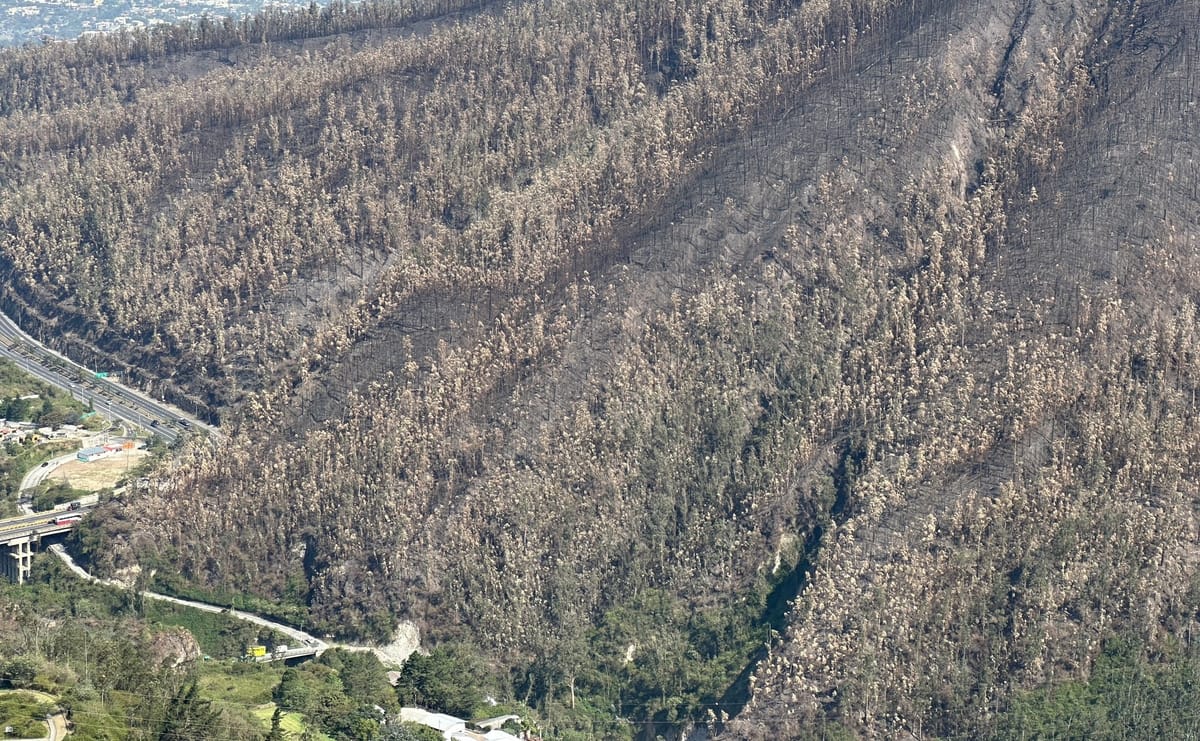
(22, 536)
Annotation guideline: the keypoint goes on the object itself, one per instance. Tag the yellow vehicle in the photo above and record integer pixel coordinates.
(257, 651)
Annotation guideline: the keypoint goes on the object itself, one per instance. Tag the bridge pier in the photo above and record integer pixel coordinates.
(19, 559)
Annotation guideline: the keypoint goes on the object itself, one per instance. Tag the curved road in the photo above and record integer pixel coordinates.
(39, 473)
(119, 403)
(57, 723)
(299, 636)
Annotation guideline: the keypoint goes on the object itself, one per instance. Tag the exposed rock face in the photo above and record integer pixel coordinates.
(405, 641)
(173, 647)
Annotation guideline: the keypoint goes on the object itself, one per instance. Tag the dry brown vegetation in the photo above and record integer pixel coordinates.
(521, 312)
(99, 474)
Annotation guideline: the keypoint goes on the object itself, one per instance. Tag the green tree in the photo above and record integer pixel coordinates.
(1126, 696)
(445, 681)
(363, 677)
(19, 671)
(276, 733)
(293, 691)
(189, 717)
(360, 724)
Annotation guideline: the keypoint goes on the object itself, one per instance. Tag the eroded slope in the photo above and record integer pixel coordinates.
(528, 334)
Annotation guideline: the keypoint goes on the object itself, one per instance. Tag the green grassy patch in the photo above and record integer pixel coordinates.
(24, 713)
(219, 635)
(16, 382)
(51, 407)
(99, 719)
(292, 724)
(54, 590)
(50, 493)
(291, 610)
(239, 683)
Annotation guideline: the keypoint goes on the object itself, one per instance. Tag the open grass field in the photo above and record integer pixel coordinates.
(236, 683)
(23, 711)
(97, 475)
(245, 689)
(293, 724)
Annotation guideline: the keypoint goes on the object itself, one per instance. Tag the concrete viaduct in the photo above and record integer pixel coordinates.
(22, 537)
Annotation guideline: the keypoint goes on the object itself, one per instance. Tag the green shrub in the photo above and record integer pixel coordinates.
(445, 681)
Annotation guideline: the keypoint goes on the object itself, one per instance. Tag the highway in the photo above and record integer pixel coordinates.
(117, 402)
(23, 526)
(111, 399)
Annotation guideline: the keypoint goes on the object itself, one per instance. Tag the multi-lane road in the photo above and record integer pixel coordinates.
(119, 403)
(24, 526)
(111, 399)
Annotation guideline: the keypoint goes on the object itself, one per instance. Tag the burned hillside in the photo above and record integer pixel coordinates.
(599, 333)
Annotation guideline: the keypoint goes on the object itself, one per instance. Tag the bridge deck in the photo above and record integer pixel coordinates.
(294, 653)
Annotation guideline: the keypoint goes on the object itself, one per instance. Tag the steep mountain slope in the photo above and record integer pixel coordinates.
(527, 318)
(1013, 561)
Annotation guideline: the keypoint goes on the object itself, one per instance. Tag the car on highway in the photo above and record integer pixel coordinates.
(45, 463)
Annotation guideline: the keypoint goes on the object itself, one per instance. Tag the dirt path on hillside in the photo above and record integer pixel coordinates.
(56, 725)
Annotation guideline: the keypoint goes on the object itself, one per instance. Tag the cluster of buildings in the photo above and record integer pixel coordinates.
(18, 432)
(96, 452)
(30, 21)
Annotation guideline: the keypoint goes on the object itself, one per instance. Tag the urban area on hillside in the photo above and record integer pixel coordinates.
(32, 21)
